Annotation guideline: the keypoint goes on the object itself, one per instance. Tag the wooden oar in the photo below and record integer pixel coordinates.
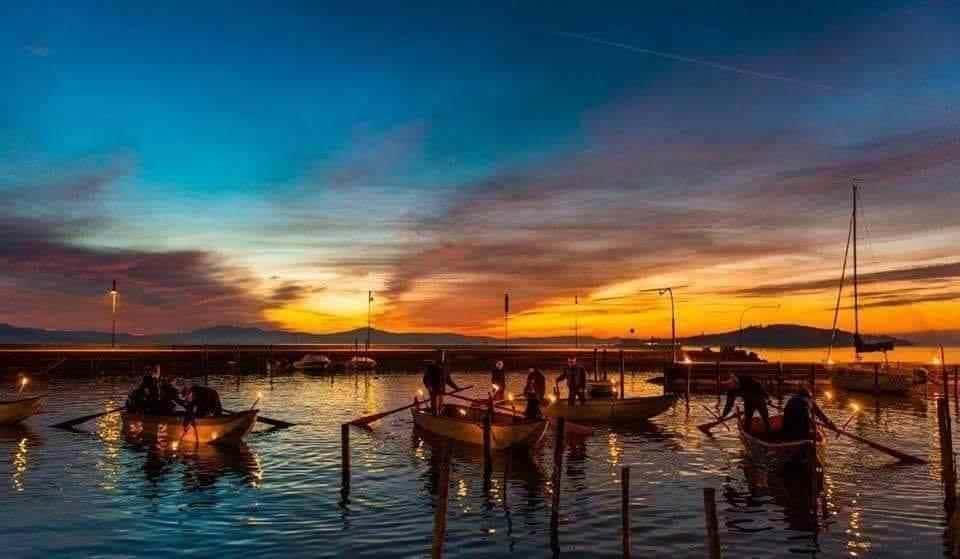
(73, 422)
(902, 456)
(364, 421)
(714, 414)
(707, 426)
(268, 420)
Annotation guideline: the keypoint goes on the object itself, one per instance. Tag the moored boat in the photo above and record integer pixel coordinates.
(312, 364)
(361, 363)
(611, 410)
(885, 379)
(15, 411)
(227, 429)
(465, 424)
(765, 447)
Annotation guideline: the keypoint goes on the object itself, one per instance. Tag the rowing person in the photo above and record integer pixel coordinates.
(498, 379)
(576, 377)
(534, 391)
(435, 379)
(796, 417)
(754, 400)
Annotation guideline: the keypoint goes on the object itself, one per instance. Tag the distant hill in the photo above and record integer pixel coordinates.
(785, 336)
(778, 335)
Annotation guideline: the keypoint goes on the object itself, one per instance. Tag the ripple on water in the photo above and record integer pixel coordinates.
(83, 494)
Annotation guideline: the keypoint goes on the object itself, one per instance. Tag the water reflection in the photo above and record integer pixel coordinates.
(22, 440)
(199, 467)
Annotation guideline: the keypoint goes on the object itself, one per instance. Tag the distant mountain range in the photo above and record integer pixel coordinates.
(777, 335)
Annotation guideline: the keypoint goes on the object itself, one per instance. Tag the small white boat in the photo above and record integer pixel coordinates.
(311, 363)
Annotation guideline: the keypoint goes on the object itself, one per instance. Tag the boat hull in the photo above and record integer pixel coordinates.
(16, 411)
(627, 410)
(770, 452)
(886, 381)
(507, 431)
(227, 430)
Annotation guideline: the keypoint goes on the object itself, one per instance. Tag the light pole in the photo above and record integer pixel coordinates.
(113, 312)
(576, 321)
(742, 314)
(673, 320)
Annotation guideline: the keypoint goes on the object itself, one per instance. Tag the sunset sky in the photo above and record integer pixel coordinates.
(233, 163)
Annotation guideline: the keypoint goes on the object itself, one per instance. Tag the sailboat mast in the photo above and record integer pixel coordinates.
(856, 292)
(369, 307)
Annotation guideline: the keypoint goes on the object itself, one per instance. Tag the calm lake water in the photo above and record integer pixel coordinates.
(91, 494)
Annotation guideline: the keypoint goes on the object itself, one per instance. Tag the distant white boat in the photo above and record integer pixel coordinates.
(311, 363)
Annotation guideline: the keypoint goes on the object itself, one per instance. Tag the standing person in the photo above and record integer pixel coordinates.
(796, 417)
(754, 399)
(534, 390)
(576, 377)
(167, 397)
(436, 379)
(498, 379)
(143, 398)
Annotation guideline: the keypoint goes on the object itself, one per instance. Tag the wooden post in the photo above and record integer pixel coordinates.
(716, 375)
(713, 531)
(440, 512)
(689, 375)
(487, 443)
(780, 380)
(813, 380)
(557, 477)
(621, 375)
(876, 378)
(345, 460)
(596, 364)
(947, 468)
(603, 364)
(625, 509)
(946, 387)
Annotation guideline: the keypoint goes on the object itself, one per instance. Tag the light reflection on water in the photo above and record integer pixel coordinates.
(96, 494)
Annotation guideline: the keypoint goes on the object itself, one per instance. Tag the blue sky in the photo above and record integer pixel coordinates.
(346, 147)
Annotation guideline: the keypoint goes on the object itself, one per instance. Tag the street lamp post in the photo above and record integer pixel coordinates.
(113, 312)
(673, 320)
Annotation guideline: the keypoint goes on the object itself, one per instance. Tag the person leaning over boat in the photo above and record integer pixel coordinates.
(576, 377)
(435, 379)
(796, 417)
(534, 391)
(754, 399)
(201, 401)
(498, 378)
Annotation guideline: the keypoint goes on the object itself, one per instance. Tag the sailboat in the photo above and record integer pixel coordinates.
(860, 377)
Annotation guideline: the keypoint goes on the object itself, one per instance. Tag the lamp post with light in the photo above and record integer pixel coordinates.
(113, 312)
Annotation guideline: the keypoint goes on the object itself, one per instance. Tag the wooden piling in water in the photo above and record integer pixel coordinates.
(813, 380)
(625, 509)
(622, 371)
(876, 378)
(596, 364)
(345, 460)
(558, 448)
(440, 512)
(713, 530)
(947, 468)
(716, 375)
(487, 451)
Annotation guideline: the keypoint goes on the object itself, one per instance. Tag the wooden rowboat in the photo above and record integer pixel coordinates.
(465, 424)
(764, 447)
(605, 410)
(886, 380)
(16, 411)
(226, 430)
